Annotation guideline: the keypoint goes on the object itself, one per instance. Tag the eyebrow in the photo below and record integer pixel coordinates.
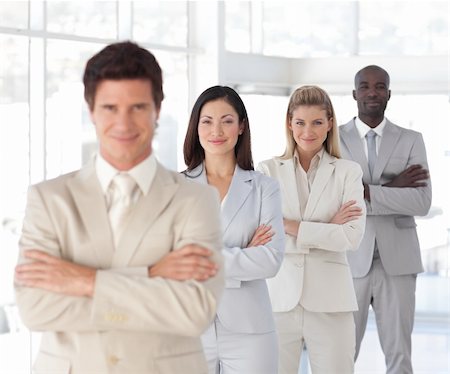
(225, 115)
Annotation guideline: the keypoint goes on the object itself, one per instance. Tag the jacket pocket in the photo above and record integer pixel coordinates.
(187, 363)
(49, 364)
(405, 222)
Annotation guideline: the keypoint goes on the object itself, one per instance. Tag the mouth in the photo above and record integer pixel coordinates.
(373, 104)
(217, 141)
(125, 138)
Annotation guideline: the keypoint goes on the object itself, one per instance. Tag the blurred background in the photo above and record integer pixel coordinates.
(264, 49)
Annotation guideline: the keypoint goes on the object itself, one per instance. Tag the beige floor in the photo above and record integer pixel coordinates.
(431, 349)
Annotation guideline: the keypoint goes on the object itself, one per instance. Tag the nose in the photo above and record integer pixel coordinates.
(308, 130)
(372, 92)
(124, 119)
(217, 128)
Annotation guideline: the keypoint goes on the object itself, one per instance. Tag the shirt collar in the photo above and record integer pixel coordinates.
(143, 173)
(363, 128)
(315, 160)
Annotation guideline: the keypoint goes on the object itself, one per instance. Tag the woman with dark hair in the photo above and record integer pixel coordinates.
(217, 151)
(324, 216)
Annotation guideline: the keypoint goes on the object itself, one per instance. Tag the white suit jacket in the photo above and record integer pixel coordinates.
(315, 272)
(253, 199)
(391, 211)
(133, 323)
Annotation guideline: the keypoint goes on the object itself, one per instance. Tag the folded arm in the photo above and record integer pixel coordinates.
(408, 193)
(345, 229)
(120, 300)
(261, 259)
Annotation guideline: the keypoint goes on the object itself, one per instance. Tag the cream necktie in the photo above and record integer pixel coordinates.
(371, 150)
(122, 189)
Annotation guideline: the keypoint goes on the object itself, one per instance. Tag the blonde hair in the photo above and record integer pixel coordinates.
(312, 96)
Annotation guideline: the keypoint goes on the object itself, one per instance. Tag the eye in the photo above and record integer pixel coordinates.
(299, 123)
(140, 106)
(318, 123)
(108, 107)
(205, 122)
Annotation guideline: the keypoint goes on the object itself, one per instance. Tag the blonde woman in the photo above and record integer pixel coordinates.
(324, 216)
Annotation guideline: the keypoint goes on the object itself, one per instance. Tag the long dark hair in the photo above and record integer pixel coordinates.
(194, 153)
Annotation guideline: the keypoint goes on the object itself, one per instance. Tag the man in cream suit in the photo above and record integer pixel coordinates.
(136, 298)
(396, 188)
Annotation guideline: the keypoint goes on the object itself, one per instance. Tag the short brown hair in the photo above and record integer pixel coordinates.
(194, 153)
(123, 60)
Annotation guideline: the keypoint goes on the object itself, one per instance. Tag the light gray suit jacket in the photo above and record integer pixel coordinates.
(315, 272)
(391, 211)
(133, 323)
(253, 199)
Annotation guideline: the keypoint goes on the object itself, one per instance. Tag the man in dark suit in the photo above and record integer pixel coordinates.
(396, 188)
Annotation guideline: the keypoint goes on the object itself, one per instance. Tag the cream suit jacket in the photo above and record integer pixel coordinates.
(315, 272)
(252, 199)
(133, 323)
(391, 211)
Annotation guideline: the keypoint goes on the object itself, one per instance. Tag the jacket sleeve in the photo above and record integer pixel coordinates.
(406, 201)
(335, 237)
(125, 300)
(263, 261)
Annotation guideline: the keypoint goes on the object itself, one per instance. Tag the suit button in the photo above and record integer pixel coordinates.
(113, 360)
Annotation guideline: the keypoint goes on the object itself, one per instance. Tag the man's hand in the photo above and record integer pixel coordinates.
(347, 212)
(189, 262)
(413, 176)
(262, 235)
(54, 274)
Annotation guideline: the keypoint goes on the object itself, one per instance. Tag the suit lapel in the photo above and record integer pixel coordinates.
(321, 179)
(239, 189)
(144, 214)
(198, 174)
(389, 140)
(289, 186)
(90, 202)
(353, 142)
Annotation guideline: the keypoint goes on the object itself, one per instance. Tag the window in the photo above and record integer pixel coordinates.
(421, 29)
(14, 14)
(14, 167)
(237, 26)
(308, 29)
(82, 18)
(161, 22)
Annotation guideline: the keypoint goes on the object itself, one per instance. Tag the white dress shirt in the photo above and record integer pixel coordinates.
(305, 179)
(363, 129)
(143, 174)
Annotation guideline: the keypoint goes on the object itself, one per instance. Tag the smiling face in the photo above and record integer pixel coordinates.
(372, 95)
(309, 126)
(219, 128)
(124, 115)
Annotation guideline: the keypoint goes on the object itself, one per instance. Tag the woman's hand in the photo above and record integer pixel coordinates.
(262, 236)
(291, 226)
(347, 212)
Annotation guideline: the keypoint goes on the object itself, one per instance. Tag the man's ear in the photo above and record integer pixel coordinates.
(354, 94)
